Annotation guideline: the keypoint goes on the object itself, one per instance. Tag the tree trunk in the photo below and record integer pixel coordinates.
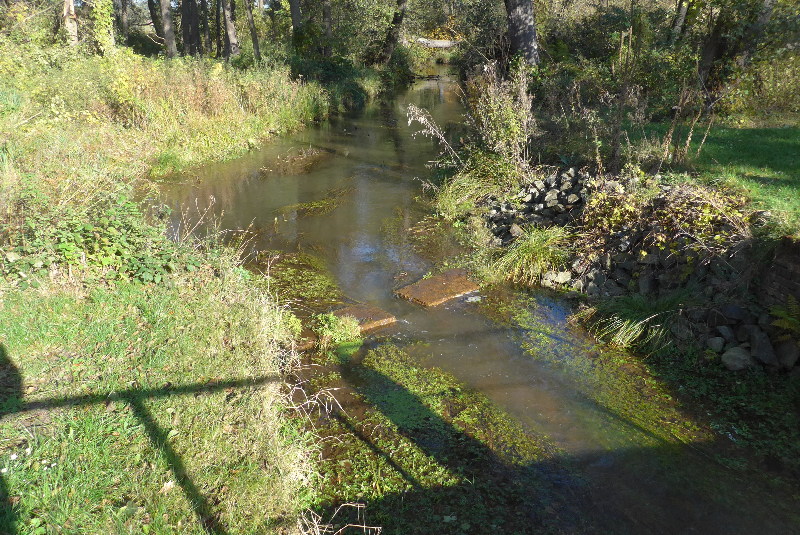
(204, 24)
(70, 22)
(232, 47)
(680, 18)
(217, 10)
(169, 30)
(522, 30)
(326, 21)
(190, 25)
(297, 15)
(253, 32)
(121, 18)
(393, 35)
(752, 35)
(155, 16)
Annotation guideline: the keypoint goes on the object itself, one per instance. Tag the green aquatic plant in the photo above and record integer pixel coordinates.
(538, 250)
(332, 200)
(332, 330)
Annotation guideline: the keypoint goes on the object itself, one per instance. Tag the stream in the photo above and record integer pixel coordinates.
(371, 161)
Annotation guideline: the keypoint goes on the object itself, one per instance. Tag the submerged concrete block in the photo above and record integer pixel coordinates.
(438, 289)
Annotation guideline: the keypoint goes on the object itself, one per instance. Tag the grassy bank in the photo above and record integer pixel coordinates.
(133, 408)
(141, 377)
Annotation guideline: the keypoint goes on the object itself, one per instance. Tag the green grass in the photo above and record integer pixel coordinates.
(150, 409)
(763, 163)
(537, 251)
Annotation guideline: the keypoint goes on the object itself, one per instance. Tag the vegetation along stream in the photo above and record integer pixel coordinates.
(491, 413)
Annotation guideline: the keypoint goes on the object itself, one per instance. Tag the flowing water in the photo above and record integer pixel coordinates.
(374, 167)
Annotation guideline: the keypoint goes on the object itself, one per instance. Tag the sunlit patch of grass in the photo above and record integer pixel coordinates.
(155, 406)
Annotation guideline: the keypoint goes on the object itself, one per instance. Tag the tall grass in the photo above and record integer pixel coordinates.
(637, 321)
(537, 251)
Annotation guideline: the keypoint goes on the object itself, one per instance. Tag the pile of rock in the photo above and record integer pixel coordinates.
(545, 202)
(744, 340)
(743, 336)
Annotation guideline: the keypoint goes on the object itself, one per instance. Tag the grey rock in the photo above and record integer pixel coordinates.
(788, 353)
(717, 318)
(527, 198)
(726, 332)
(563, 277)
(551, 195)
(621, 276)
(737, 358)
(577, 286)
(516, 231)
(716, 344)
(551, 203)
(647, 284)
(648, 259)
(743, 332)
(761, 347)
(734, 312)
(613, 289)
(566, 186)
(592, 289)
(538, 184)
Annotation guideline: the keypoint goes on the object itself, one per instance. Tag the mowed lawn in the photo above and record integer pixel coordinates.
(763, 162)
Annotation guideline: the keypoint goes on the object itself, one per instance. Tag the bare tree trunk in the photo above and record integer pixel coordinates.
(121, 18)
(206, 27)
(155, 16)
(297, 15)
(253, 32)
(233, 49)
(393, 35)
(190, 25)
(169, 30)
(326, 21)
(70, 22)
(522, 30)
(260, 6)
(217, 10)
(680, 18)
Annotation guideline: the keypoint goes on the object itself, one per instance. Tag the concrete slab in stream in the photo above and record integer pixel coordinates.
(439, 288)
(369, 317)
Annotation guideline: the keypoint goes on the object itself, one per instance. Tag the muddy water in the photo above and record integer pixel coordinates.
(371, 161)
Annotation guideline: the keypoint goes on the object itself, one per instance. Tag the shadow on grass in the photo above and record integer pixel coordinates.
(11, 402)
(642, 486)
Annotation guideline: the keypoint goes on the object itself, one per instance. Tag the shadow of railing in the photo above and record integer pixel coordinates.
(11, 402)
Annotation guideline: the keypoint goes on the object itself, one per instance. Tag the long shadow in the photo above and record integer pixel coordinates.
(11, 402)
(512, 497)
(653, 489)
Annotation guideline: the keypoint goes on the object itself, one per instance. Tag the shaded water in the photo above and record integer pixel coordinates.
(643, 483)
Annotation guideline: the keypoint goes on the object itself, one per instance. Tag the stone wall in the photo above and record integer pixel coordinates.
(782, 278)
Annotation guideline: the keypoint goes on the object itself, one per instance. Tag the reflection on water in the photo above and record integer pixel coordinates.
(374, 155)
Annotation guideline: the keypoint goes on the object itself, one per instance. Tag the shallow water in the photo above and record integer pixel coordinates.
(640, 482)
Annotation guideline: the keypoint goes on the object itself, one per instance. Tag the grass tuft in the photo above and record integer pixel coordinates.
(537, 251)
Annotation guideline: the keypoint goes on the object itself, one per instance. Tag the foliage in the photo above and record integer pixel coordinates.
(537, 251)
(333, 330)
(788, 317)
(110, 237)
